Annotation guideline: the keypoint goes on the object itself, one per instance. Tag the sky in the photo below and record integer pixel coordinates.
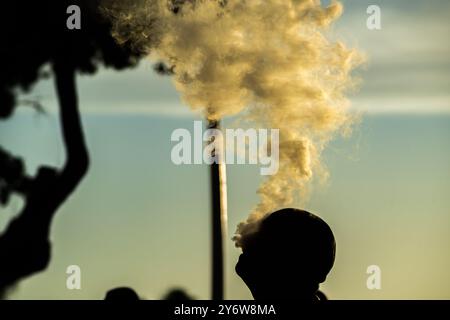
(139, 220)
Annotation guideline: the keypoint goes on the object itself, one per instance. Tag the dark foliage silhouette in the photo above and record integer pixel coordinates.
(34, 34)
(25, 247)
(288, 257)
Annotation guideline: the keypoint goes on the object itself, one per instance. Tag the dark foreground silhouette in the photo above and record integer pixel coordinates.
(177, 294)
(25, 246)
(122, 294)
(35, 39)
(128, 294)
(288, 257)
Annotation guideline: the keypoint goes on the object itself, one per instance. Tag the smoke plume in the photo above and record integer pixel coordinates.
(267, 61)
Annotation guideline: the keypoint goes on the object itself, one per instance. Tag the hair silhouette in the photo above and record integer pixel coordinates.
(289, 255)
(177, 294)
(34, 34)
(122, 294)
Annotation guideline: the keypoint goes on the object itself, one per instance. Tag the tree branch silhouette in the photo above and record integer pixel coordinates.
(25, 247)
(31, 39)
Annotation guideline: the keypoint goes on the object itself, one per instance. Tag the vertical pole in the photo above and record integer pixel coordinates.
(219, 218)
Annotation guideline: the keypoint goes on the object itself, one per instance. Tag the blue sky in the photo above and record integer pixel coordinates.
(407, 68)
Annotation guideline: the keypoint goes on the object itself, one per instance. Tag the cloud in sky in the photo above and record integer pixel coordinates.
(409, 58)
(407, 71)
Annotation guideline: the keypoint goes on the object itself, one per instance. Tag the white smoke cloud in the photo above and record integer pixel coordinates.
(267, 61)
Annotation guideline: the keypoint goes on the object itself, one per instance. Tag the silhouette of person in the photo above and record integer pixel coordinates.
(122, 294)
(177, 294)
(25, 245)
(288, 256)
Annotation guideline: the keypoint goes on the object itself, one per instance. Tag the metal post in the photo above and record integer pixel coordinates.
(219, 219)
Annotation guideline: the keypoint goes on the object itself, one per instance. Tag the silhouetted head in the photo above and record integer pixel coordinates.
(122, 294)
(177, 294)
(288, 256)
